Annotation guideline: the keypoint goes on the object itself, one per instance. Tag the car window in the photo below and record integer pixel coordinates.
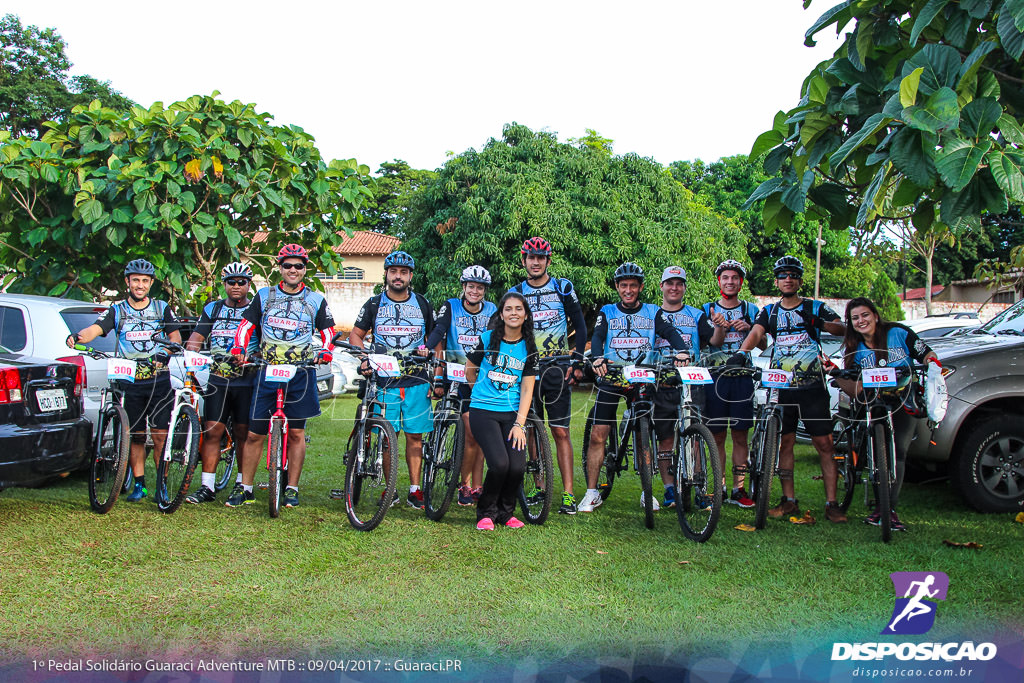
(1010, 321)
(79, 318)
(935, 332)
(12, 328)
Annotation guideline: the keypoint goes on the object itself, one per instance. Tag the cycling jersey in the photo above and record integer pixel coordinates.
(499, 380)
(135, 329)
(291, 326)
(554, 305)
(459, 328)
(398, 326)
(693, 326)
(218, 324)
(717, 355)
(628, 335)
(902, 347)
(796, 345)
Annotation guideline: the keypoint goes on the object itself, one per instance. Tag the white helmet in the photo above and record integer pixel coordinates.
(236, 269)
(476, 274)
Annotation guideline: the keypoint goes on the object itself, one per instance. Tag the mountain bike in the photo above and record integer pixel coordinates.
(443, 451)
(697, 464)
(535, 496)
(109, 463)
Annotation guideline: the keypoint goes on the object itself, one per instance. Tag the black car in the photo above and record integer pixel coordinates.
(43, 433)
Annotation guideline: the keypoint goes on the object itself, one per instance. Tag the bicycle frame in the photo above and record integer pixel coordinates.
(278, 414)
(187, 394)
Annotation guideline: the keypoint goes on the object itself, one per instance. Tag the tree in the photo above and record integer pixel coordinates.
(915, 121)
(883, 293)
(393, 190)
(35, 85)
(598, 210)
(187, 187)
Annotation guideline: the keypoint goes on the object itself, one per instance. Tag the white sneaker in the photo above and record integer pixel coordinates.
(656, 506)
(591, 500)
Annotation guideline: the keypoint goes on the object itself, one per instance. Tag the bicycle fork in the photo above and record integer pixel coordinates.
(279, 414)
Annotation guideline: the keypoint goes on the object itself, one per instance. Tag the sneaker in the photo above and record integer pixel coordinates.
(568, 505)
(485, 524)
(874, 519)
(415, 499)
(591, 500)
(703, 501)
(203, 495)
(514, 523)
(291, 498)
(654, 502)
(466, 496)
(833, 513)
(239, 496)
(394, 499)
(670, 497)
(537, 498)
(137, 494)
(786, 506)
(740, 498)
(475, 493)
(895, 524)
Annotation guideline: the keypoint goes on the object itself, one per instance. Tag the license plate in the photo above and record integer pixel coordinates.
(50, 400)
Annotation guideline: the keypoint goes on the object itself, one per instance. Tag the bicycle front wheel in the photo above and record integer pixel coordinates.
(698, 476)
(174, 474)
(606, 475)
(275, 456)
(646, 449)
(368, 492)
(882, 451)
(535, 493)
(846, 463)
(442, 466)
(767, 457)
(110, 458)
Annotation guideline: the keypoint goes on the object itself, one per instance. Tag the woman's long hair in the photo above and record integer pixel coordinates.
(498, 329)
(851, 338)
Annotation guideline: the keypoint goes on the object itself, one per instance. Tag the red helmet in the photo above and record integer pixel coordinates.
(290, 250)
(537, 246)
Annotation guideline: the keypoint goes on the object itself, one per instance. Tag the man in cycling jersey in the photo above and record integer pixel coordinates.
(728, 403)
(459, 324)
(229, 389)
(293, 323)
(401, 320)
(137, 319)
(697, 332)
(555, 306)
(626, 332)
(796, 324)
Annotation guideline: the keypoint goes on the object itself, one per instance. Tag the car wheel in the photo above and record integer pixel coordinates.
(989, 472)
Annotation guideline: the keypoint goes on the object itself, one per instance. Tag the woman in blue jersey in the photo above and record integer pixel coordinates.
(871, 341)
(502, 371)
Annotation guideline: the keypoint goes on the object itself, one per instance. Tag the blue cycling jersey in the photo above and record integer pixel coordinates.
(693, 327)
(464, 328)
(717, 355)
(499, 383)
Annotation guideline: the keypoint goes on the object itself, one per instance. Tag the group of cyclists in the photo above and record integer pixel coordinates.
(508, 351)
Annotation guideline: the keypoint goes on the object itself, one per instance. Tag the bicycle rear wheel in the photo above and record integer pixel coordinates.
(881, 446)
(646, 449)
(767, 458)
(368, 492)
(174, 475)
(275, 457)
(442, 466)
(846, 462)
(110, 458)
(228, 451)
(535, 493)
(698, 476)
(609, 470)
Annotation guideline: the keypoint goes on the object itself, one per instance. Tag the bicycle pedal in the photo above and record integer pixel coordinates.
(336, 494)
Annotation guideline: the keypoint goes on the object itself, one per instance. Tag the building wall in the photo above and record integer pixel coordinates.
(345, 299)
(975, 293)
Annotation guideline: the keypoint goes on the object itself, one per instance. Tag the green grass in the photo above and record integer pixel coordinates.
(213, 581)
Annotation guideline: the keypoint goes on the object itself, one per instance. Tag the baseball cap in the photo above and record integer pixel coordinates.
(673, 272)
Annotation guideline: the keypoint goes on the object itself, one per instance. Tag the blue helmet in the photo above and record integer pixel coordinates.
(399, 258)
(139, 266)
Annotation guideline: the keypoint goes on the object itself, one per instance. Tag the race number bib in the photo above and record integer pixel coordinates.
(877, 378)
(456, 372)
(776, 378)
(121, 369)
(280, 373)
(385, 365)
(695, 376)
(197, 361)
(635, 375)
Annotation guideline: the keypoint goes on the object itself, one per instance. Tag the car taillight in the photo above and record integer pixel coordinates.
(80, 376)
(10, 385)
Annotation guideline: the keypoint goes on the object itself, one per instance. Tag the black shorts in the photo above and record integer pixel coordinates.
(553, 396)
(464, 395)
(227, 399)
(606, 404)
(150, 399)
(666, 412)
(730, 403)
(810, 405)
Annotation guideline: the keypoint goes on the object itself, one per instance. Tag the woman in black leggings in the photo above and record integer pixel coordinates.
(502, 371)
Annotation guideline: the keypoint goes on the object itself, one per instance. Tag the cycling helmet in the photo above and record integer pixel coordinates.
(399, 258)
(629, 270)
(139, 266)
(290, 250)
(537, 246)
(731, 264)
(476, 274)
(788, 262)
(236, 269)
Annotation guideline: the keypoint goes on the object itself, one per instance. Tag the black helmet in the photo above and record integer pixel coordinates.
(629, 270)
(731, 264)
(139, 266)
(788, 262)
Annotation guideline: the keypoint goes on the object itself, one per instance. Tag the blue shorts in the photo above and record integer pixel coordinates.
(407, 408)
(301, 401)
(729, 402)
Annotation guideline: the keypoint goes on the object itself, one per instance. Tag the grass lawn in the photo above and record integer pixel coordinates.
(213, 581)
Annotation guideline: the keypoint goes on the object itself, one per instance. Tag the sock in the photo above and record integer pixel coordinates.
(594, 491)
(248, 489)
(735, 490)
(293, 488)
(413, 488)
(238, 479)
(209, 480)
(141, 481)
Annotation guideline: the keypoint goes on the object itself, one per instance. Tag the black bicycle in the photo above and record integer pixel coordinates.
(444, 450)
(537, 492)
(697, 464)
(108, 466)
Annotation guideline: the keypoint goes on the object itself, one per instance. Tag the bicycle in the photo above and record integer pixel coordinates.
(443, 451)
(696, 463)
(538, 480)
(109, 463)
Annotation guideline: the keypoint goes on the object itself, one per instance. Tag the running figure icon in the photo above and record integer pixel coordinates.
(916, 596)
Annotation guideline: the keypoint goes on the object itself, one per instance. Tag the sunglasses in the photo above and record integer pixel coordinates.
(787, 276)
(232, 282)
(293, 266)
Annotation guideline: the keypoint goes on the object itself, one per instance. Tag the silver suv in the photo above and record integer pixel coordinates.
(981, 440)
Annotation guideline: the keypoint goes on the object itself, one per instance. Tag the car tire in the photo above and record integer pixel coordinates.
(989, 472)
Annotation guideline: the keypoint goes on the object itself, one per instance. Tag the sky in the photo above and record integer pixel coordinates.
(379, 80)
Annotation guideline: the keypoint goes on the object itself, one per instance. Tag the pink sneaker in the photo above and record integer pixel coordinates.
(487, 524)
(514, 523)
